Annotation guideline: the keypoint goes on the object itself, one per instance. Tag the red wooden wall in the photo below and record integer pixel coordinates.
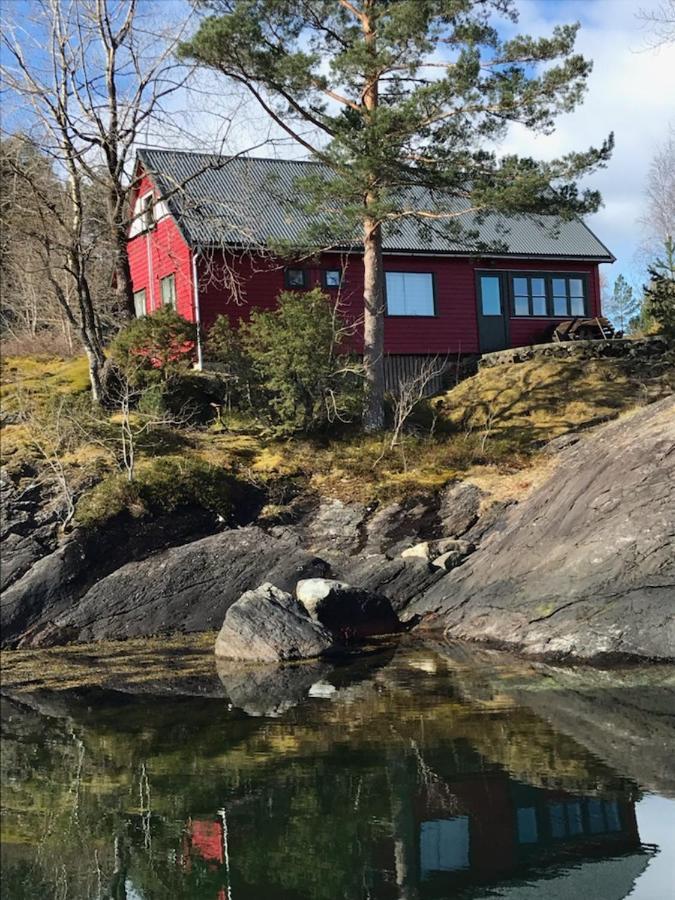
(157, 253)
(454, 328)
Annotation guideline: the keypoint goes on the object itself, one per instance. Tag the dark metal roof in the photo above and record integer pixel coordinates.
(250, 201)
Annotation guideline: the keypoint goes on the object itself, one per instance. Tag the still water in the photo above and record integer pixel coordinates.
(413, 773)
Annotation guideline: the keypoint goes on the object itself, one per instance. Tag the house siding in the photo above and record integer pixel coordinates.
(452, 330)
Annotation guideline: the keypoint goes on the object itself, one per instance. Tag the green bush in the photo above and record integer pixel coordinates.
(223, 346)
(301, 376)
(155, 348)
(162, 486)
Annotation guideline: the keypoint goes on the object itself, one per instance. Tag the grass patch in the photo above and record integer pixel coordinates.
(43, 376)
(533, 402)
(489, 429)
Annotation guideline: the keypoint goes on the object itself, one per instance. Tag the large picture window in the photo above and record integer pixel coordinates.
(547, 295)
(410, 293)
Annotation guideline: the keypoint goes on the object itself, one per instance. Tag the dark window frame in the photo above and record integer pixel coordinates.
(432, 315)
(324, 279)
(295, 287)
(548, 277)
(171, 278)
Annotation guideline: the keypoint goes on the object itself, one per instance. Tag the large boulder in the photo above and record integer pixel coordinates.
(270, 625)
(348, 612)
(585, 566)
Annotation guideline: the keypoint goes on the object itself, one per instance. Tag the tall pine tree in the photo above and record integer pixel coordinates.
(659, 299)
(623, 306)
(403, 99)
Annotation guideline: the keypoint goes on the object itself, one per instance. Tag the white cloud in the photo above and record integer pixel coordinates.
(630, 91)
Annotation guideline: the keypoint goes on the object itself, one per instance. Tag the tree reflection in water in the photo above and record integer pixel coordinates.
(405, 776)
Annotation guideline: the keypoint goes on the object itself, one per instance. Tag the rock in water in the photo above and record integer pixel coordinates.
(269, 625)
(585, 566)
(346, 611)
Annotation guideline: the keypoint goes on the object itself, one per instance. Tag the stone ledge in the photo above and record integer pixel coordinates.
(590, 349)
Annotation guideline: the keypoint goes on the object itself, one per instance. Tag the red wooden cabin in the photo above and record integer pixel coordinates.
(204, 227)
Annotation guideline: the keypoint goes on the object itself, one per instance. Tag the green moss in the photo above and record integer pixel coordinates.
(160, 485)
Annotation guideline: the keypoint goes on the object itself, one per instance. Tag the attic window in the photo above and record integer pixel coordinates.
(147, 212)
(296, 279)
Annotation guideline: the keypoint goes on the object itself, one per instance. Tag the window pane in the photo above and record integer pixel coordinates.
(332, 278)
(444, 845)
(577, 304)
(559, 306)
(574, 822)
(527, 825)
(490, 293)
(169, 291)
(576, 287)
(139, 303)
(295, 278)
(410, 293)
(612, 815)
(596, 819)
(520, 286)
(395, 294)
(559, 287)
(557, 816)
(538, 287)
(522, 306)
(539, 306)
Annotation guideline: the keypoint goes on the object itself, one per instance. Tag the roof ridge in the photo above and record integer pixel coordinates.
(231, 157)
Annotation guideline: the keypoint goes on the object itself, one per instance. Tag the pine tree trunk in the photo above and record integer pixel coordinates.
(373, 327)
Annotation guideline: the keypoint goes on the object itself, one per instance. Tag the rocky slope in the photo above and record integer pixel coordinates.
(584, 567)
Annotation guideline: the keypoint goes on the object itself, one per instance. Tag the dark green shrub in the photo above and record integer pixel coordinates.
(223, 348)
(191, 398)
(301, 375)
(162, 486)
(155, 348)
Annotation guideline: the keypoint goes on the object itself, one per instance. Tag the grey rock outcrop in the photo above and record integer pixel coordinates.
(585, 566)
(347, 612)
(459, 508)
(270, 625)
(186, 588)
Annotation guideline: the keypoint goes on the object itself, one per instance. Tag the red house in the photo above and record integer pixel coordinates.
(204, 229)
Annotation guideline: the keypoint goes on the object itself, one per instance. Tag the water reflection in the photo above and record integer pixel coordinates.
(401, 776)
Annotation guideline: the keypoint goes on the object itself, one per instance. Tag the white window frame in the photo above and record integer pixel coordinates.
(169, 279)
(137, 294)
(403, 285)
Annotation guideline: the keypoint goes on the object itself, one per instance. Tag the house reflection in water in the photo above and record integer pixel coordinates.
(471, 831)
(205, 843)
(501, 829)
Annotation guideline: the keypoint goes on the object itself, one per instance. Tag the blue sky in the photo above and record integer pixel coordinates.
(630, 92)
